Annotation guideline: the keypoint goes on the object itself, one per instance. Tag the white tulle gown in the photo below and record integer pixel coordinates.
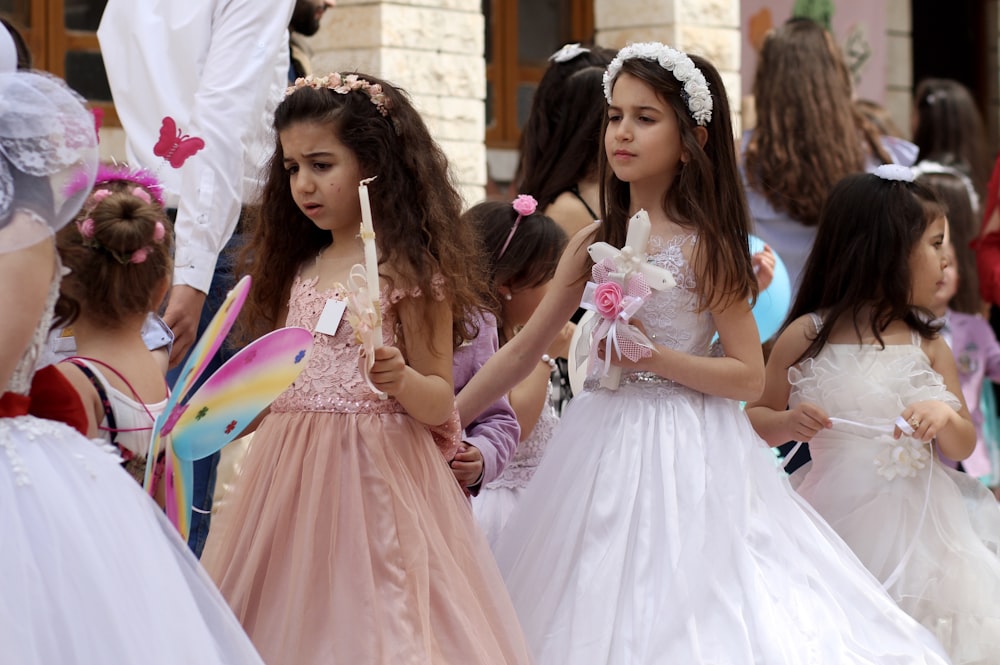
(929, 533)
(657, 530)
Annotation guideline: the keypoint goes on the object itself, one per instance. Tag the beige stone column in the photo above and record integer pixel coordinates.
(710, 28)
(434, 50)
(899, 68)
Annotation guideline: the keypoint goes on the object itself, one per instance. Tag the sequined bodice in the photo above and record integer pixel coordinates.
(20, 380)
(671, 317)
(332, 380)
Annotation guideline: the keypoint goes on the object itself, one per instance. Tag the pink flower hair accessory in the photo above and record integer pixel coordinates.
(523, 205)
(107, 173)
(159, 232)
(86, 228)
(139, 255)
(343, 85)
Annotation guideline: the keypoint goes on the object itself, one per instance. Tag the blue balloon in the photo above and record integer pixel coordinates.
(773, 302)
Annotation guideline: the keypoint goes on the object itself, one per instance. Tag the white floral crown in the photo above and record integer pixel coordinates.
(695, 88)
(343, 85)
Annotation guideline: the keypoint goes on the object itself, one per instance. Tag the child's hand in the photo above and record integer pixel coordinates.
(389, 370)
(763, 266)
(559, 348)
(642, 364)
(927, 419)
(805, 420)
(467, 465)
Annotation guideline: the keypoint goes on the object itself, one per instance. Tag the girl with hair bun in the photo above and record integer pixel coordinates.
(118, 253)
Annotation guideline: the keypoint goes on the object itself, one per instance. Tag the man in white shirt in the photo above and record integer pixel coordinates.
(183, 72)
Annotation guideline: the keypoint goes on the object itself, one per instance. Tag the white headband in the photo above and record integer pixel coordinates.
(695, 88)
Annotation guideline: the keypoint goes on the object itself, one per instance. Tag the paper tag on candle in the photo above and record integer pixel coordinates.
(330, 319)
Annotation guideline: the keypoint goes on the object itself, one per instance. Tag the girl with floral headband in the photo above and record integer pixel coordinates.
(347, 539)
(656, 528)
(862, 373)
(118, 253)
(522, 248)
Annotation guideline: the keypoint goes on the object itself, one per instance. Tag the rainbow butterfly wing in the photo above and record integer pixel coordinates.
(239, 390)
(178, 475)
(198, 359)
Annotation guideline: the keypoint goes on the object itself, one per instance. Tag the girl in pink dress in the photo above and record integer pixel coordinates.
(347, 539)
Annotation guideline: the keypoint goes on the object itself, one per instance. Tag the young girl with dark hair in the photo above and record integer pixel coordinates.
(522, 249)
(869, 382)
(656, 528)
(347, 539)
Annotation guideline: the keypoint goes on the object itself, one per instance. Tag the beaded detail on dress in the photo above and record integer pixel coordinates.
(332, 380)
(529, 453)
(671, 317)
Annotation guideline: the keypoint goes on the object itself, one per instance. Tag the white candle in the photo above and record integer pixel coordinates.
(371, 252)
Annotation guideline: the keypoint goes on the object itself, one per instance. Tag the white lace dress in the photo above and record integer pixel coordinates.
(930, 534)
(658, 530)
(497, 499)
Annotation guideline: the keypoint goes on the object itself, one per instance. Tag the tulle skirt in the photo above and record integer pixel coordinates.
(92, 570)
(347, 540)
(932, 538)
(492, 509)
(657, 529)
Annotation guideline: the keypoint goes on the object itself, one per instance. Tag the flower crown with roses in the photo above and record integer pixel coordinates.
(694, 87)
(343, 85)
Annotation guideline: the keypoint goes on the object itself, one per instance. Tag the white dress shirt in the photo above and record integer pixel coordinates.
(218, 68)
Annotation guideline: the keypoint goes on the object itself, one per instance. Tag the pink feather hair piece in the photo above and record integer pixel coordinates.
(119, 172)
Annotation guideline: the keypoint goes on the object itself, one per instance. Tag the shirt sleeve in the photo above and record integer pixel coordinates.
(249, 40)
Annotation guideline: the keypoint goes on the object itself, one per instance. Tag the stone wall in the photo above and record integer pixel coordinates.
(434, 50)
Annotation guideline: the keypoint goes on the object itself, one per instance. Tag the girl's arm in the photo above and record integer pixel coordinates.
(773, 422)
(956, 436)
(518, 357)
(25, 278)
(739, 375)
(529, 398)
(422, 383)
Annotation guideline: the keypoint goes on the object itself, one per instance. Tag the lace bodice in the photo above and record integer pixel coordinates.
(20, 381)
(529, 453)
(671, 317)
(332, 381)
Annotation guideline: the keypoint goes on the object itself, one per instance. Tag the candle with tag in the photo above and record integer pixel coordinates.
(371, 253)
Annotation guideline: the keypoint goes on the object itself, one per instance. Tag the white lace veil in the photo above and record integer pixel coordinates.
(47, 142)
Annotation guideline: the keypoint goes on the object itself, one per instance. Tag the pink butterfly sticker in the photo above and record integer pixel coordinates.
(174, 146)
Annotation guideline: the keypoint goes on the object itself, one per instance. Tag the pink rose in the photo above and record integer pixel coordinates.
(86, 228)
(608, 298)
(525, 204)
(139, 255)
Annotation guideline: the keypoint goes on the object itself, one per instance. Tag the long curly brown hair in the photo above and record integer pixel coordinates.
(706, 195)
(415, 206)
(809, 133)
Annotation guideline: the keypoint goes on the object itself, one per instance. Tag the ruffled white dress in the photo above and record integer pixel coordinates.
(657, 530)
(930, 534)
(92, 571)
(497, 499)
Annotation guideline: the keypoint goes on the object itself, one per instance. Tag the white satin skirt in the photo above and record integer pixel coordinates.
(658, 530)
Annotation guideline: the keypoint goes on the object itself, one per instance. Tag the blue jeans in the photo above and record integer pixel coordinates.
(203, 482)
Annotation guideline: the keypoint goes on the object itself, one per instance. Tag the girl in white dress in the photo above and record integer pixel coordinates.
(657, 529)
(92, 570)
(874, 389)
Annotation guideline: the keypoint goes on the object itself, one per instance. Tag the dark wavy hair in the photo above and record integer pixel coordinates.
(809, 134)
(949, 129)
(573, 144)
(705, 196)
(529, 260)
(415, 206)
(861, 258)
(103, 280)
(544, 136)
(963, 228)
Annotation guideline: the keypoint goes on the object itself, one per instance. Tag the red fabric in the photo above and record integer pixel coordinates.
(988, 247)
(54, 398)
(12, 405)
